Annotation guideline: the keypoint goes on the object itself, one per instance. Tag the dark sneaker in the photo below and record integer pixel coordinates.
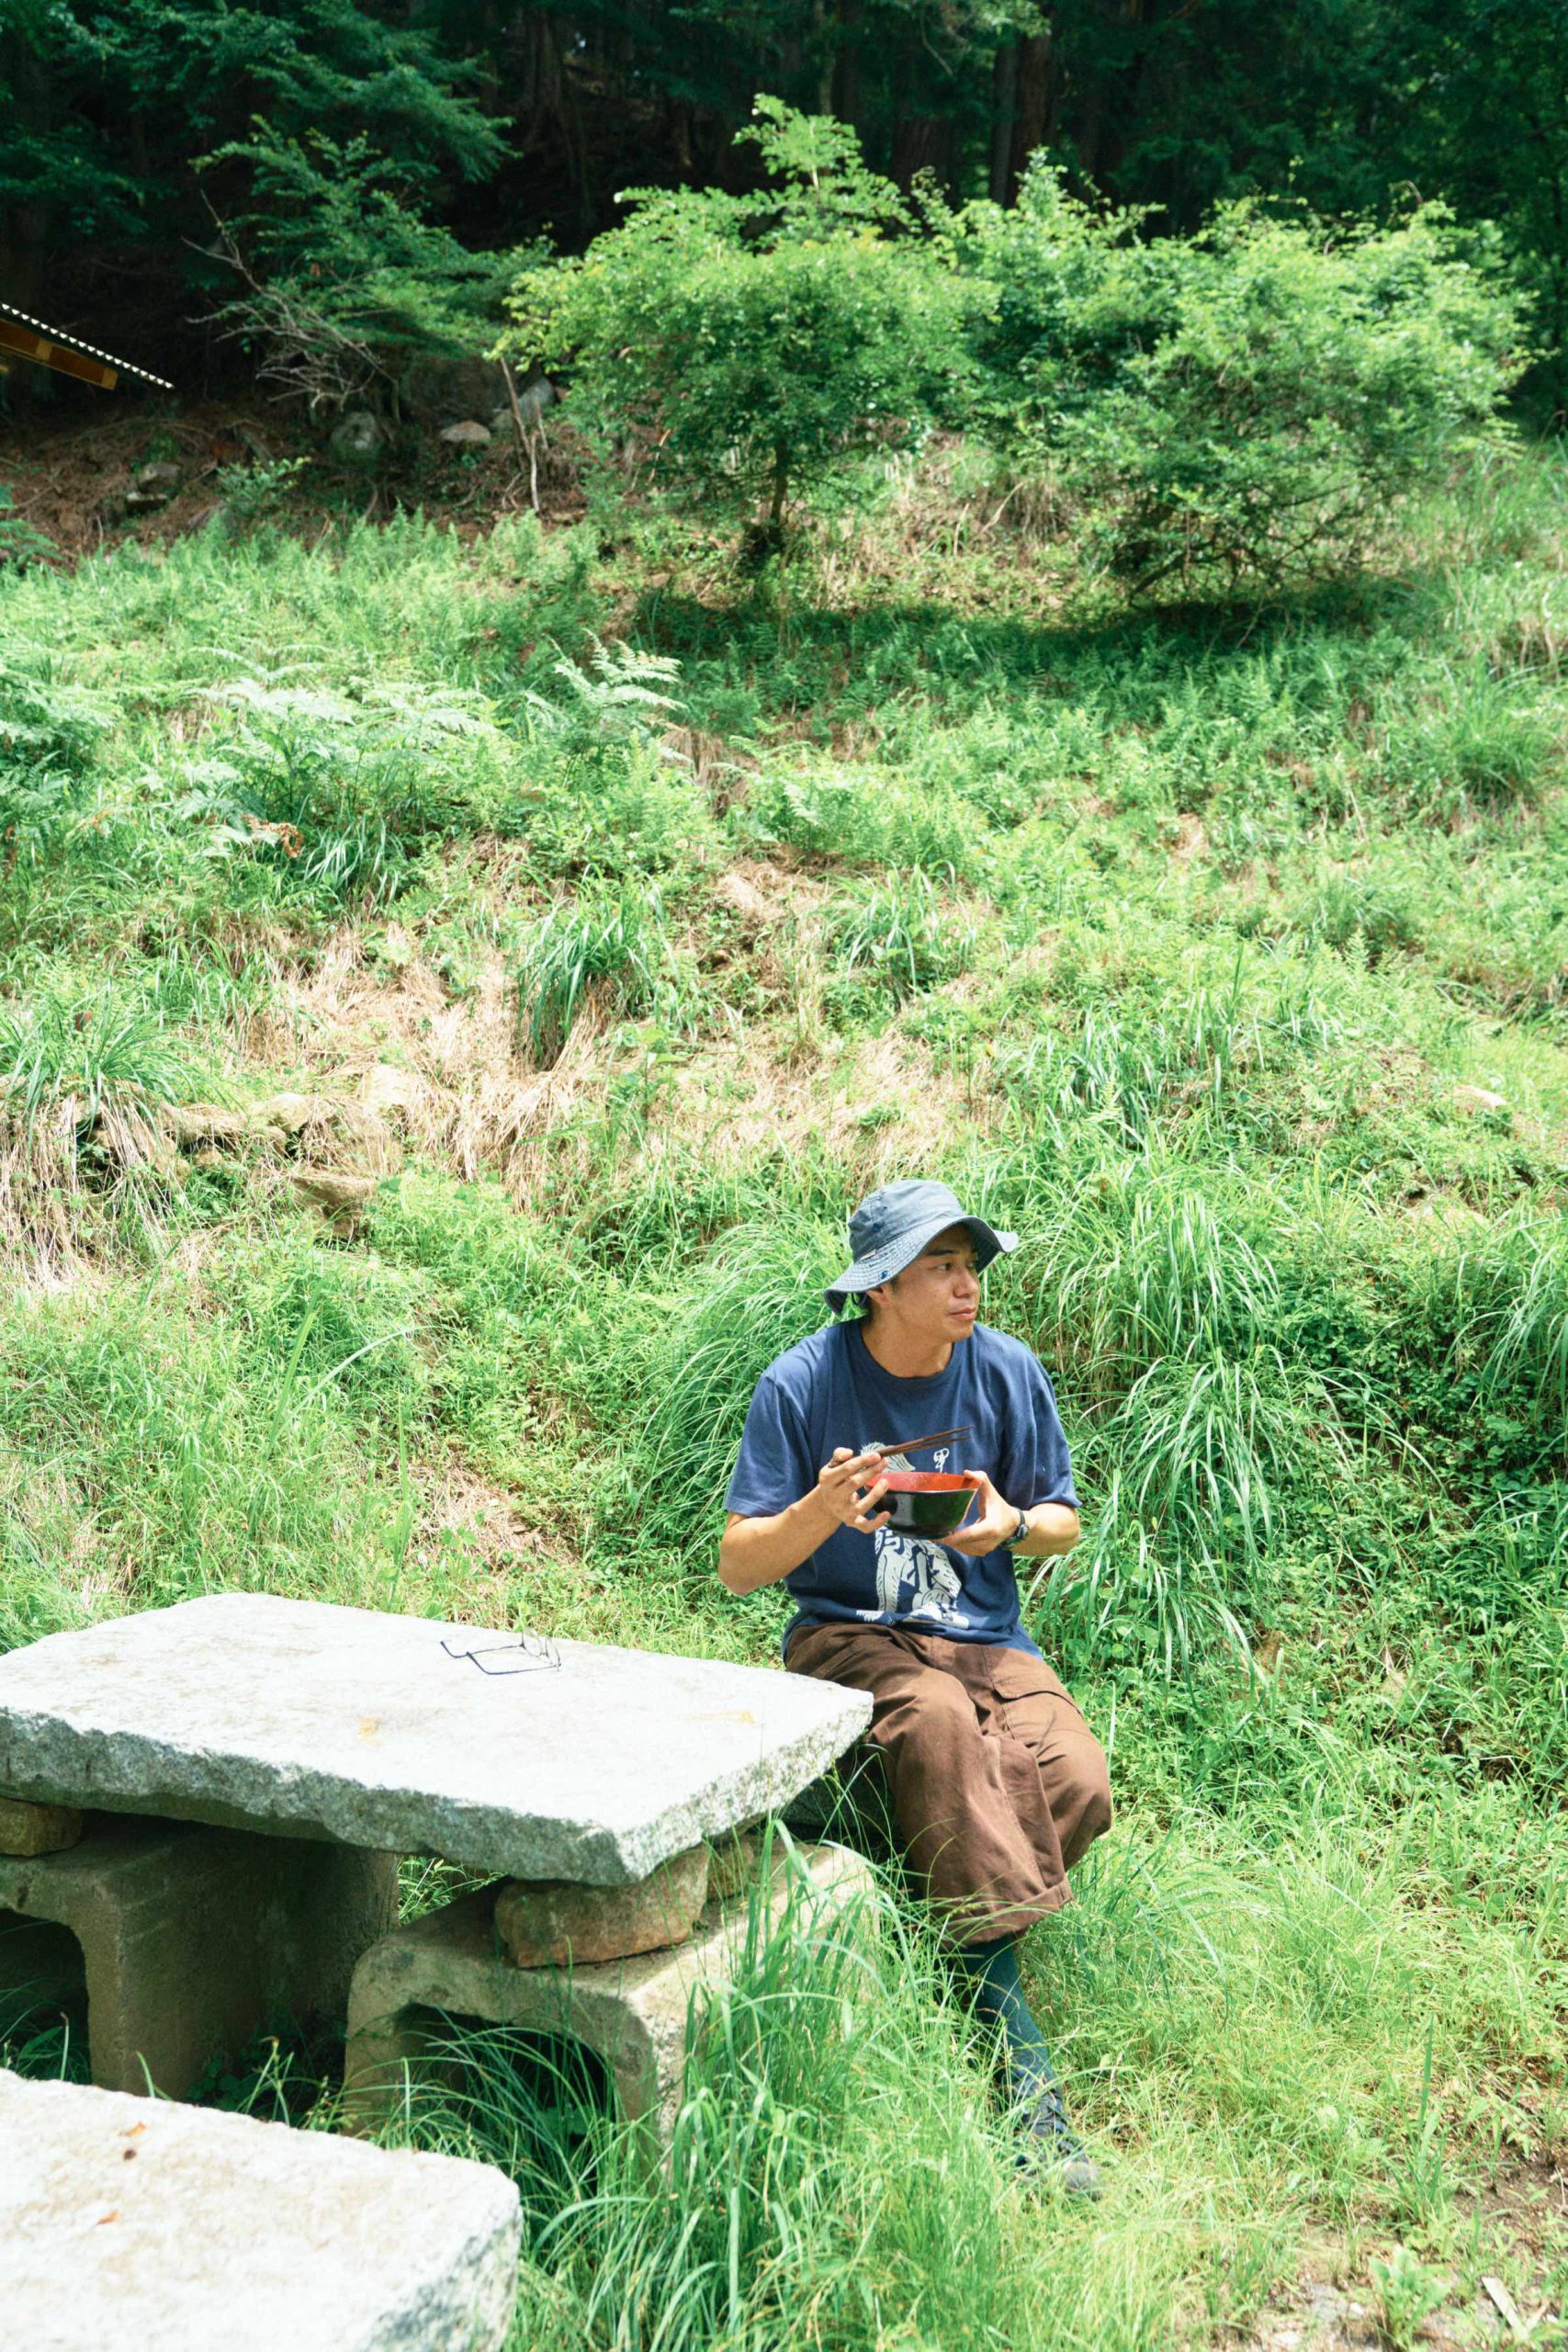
(1048, 2145)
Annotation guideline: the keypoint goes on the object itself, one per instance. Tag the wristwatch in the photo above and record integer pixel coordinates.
(1020, 1532)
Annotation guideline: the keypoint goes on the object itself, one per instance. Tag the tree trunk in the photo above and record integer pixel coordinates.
(846, 63)
(1004, 106)
(1033, 105)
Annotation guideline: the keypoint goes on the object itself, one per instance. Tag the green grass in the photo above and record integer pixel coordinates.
(1221, 954)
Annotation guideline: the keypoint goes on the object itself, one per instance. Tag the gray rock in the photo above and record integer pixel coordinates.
(130, 2222)
(438, 392)
(533, 401)
(358, 438)
(293, 1112)
(153, 485)
(733, 1863)
(340, 1198)
(196, 1123)
(313, 1721)
(743, 899)
(553, 1924)
(29, 1829)
(466, 436)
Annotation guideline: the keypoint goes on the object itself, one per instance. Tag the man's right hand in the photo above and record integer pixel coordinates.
(756, 1551)
(851, 1489)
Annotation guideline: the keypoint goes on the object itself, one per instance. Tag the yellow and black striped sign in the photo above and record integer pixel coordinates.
(29, 338)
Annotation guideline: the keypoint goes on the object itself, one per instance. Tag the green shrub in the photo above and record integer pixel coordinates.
(1248, 407)
(49, 722)
(612, 795)
(20, 541)
(344, 281)
(317, 1321)
(756, 346)
(342, 795)
(619, 696)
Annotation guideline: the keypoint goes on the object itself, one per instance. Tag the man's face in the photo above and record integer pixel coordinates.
(938, 1296)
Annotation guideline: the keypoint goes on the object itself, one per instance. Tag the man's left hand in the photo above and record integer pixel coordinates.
(994, 1522)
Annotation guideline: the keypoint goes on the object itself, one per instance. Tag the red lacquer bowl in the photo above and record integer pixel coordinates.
(928, 1502)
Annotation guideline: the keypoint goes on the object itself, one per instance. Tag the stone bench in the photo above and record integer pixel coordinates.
(128, 2221)
(630, 2011)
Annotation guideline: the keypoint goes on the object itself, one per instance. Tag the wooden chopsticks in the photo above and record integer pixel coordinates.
(916, 1444)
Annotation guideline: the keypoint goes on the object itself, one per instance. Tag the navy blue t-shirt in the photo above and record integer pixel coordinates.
(831, 1391)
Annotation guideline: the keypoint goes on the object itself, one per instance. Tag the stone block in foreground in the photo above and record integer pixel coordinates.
(298, 1717)
(125, 2222)
(185, 1941)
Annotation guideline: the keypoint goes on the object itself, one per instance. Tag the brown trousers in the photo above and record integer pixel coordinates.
(996, 1783)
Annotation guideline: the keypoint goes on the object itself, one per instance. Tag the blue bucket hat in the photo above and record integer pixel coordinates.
(892, 1226)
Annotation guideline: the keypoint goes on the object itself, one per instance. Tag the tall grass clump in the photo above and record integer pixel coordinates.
(84, 1073)
(899, 935)
(165, 1439)
(608, 951)
(1481, 742)
(1197, 1419)
(835, 2171)
(756, 1295)
(1497, 1320)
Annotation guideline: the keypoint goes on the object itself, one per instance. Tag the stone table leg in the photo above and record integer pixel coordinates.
(194, 1939)
(631, 2013)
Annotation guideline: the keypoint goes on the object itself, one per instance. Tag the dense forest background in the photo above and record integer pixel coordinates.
(473, 126)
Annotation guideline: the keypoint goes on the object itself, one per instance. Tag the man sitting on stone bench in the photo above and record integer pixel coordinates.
(997, 1785)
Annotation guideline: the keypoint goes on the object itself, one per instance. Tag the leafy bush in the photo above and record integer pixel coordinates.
(50, 730)
(20, 541)
(1248, 406)
(756, 346)
(345, 281)
(47, 719)
(621, 695)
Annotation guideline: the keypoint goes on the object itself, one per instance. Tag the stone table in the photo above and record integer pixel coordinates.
(362, 1737)
(127, 2223)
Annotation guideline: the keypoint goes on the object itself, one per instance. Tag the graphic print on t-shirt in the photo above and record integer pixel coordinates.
(915, 1578)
